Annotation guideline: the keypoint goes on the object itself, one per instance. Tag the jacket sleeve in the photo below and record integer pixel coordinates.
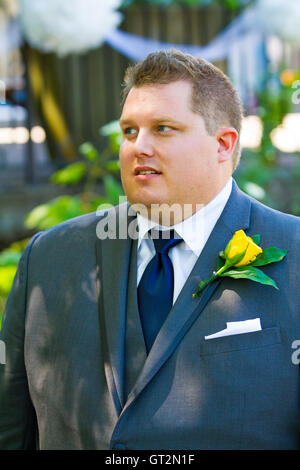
(18, 428)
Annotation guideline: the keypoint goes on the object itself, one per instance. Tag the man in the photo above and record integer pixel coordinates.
(94, 359)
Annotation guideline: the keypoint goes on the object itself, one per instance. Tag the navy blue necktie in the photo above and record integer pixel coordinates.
(155, 290)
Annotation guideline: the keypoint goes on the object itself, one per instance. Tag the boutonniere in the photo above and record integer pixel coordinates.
(241, 259)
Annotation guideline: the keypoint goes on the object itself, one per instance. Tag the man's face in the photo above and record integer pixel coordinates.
(166, 154)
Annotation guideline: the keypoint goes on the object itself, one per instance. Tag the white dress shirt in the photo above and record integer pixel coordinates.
(194, 232)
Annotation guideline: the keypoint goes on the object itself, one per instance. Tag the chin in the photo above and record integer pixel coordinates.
(147, 199)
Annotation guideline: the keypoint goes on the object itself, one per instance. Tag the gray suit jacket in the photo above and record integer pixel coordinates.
(77, 375)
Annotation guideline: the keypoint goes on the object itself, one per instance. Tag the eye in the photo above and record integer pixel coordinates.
(164, 128)
(129, 131)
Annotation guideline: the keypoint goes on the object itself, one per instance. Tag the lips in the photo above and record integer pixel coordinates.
(146, 170)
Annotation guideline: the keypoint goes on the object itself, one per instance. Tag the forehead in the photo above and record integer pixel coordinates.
(173, 98)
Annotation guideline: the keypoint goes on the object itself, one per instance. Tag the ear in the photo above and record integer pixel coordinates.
(227, 138)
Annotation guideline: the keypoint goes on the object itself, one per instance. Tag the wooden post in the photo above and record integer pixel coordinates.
(29, 176)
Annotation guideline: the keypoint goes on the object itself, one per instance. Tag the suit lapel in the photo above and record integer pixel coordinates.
(135, 348)
(235, 216)
(113, 260)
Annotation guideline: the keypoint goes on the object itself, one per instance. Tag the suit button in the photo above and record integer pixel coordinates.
(119, 446)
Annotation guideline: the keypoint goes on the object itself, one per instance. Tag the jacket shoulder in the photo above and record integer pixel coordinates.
(81, 230)
(274, 215)
(72, 229)
(276, 226)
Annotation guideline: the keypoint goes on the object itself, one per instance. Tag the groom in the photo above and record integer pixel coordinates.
(105, 346)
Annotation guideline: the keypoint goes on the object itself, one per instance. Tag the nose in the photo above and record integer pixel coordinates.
(144, 145)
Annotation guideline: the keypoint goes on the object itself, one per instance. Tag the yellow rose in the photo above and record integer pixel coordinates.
(241, 250)
(239, 243)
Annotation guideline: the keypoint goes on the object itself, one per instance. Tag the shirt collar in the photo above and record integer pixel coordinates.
(196, 229)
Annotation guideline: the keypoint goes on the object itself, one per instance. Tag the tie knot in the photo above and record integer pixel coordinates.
(164, 240)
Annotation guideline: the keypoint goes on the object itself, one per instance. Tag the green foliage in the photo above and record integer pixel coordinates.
(90, 152)
(54, 212)
(7, 274)
(2, 305)
(96, 166)
(71, 174)
(113, 131)
(112, 189)
(263, 173)
(9, 259)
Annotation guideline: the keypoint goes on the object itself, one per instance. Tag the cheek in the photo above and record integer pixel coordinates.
(122, 152)
(124, 157)
(124, 167)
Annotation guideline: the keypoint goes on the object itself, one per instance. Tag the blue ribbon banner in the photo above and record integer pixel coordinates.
(137, 47)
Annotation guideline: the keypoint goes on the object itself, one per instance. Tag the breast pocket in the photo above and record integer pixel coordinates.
(244, 341)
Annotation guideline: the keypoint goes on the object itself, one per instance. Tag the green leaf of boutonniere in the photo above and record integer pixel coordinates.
(256, 239)
(241, 258)
(251, 273)
(221, 262)
(269, 255)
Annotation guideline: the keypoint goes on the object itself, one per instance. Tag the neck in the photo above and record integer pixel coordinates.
(167, 215)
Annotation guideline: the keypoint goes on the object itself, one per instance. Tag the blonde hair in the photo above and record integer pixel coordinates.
(213, 95)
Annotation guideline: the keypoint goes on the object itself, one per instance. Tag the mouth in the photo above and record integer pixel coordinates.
(146, 171)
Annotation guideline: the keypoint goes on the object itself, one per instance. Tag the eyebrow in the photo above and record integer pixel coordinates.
(124, 122)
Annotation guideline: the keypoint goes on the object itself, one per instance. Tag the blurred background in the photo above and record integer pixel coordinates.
(61, 70)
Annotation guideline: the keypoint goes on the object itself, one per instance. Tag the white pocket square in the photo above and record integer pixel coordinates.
(237, 328)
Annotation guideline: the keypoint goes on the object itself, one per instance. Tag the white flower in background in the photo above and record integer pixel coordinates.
(68, 26)
(279, 17)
